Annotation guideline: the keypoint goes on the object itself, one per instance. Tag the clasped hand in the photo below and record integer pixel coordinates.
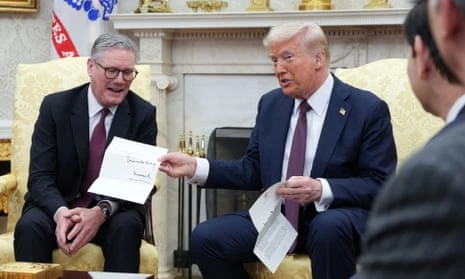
(76, 227)
(301, 189)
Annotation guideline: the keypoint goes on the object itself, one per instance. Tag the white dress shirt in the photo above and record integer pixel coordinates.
(455, 109)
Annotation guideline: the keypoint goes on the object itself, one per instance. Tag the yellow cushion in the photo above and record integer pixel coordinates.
(293, 266)
(412, 128)
(388, 79)
(33, 82)
(89, 258)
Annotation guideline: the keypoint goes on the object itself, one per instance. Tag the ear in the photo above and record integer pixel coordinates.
(423, 58)
(320, 60)
(90, 65)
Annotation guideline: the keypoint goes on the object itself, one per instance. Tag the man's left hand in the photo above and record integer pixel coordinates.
(90, 220)
(301, 189)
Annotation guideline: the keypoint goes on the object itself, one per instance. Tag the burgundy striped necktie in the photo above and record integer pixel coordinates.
(296, 164)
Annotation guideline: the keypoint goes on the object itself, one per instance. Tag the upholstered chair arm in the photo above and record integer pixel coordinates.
(148, 232)
(8, 183)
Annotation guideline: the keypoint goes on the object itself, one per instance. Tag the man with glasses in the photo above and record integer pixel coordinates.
(68, 142)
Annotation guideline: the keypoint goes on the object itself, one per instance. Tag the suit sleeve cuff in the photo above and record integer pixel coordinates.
(56, 213)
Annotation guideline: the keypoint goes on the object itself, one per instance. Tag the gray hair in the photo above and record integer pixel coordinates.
(313, 37)
(111, 40)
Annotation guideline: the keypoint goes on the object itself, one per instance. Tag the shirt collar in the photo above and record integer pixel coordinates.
(455, 109)
(94, 106)
(320, 99)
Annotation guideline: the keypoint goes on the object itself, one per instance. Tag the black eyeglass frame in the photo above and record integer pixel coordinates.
(112, 72)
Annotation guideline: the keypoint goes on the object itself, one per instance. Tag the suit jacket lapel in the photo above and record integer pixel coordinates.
(336, 117)
(79, 120)
(279, 130)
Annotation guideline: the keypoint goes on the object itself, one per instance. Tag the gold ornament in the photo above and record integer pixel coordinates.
(316, 5)
(259, 6)
(377, 4)
(153, 6)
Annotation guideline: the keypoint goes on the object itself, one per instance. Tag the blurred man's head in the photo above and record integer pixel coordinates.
(447, 20)
(435, 86)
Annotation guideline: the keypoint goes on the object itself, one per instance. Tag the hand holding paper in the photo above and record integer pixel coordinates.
(275, 233)
(128, 170)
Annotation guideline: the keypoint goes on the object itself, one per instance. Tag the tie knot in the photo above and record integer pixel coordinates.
(304, 107)
(104, 112)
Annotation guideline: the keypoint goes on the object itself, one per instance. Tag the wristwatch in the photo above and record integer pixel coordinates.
(106, 209)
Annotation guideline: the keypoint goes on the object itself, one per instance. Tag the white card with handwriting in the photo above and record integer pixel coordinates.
(128, 171)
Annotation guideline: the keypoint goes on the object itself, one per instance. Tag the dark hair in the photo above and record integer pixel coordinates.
(417, 23)
(461, 5)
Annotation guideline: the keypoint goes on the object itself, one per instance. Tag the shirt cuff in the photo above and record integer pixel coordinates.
(327, 196)
(56, 213)
(201, 172)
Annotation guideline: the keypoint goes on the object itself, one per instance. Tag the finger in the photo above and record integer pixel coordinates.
(76, 218)
(73, 232)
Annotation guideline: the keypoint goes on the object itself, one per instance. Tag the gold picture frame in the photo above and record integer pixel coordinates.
(21, 6)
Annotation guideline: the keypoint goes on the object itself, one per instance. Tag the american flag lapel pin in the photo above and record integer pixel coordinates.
(342, 111)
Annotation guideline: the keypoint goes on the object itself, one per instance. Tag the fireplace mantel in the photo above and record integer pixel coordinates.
(189, 21)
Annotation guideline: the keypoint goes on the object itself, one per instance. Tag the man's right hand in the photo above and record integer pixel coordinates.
(178, 164)
(64, 224)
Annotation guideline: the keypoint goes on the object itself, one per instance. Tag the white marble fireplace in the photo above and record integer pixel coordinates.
(209, 70)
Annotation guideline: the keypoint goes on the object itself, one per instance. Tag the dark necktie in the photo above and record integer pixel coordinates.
(296, 164)
(96, 151)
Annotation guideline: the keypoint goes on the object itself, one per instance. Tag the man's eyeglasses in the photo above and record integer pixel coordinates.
(112, 72)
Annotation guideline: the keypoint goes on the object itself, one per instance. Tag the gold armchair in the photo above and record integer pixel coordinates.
(411, 124)
(33, 82)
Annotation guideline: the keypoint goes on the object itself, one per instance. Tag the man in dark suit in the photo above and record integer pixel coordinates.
(58, 211)
(417, 222)
(349, 153)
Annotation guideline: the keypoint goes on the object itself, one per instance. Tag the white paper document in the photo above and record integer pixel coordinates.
(275, 233)
(128, 171)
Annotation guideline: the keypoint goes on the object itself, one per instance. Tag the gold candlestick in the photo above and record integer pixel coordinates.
(181, 144)
(197, 147)
(202, 147)
(190, 146)
(316, 5)
(153, 6)
(259, 6)
(377, 4)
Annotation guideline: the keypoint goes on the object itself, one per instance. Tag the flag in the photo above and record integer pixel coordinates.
(77, 23)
